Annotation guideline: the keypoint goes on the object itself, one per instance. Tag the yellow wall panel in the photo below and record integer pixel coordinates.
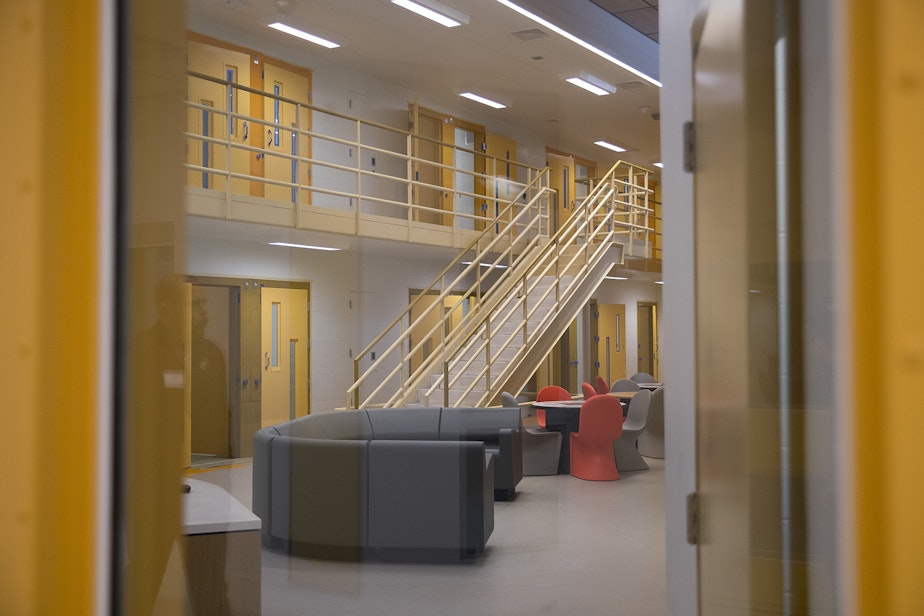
(886, 141)
(50, 243)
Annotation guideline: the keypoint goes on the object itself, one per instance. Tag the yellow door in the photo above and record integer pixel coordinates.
(501, 172)
(284, 343)
(213, 119)
(283, 144)
(426, 171)
(611, 341)
(561, 180)
(647, 339)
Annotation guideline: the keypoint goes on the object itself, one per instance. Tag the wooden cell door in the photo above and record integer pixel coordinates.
(561, 180)
(284, 344)
(285, 145)
(448, 169)
(501, 172)
(648, 338)
(212, 122)
(610, 339)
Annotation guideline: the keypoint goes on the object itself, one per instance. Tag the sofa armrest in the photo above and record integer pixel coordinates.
(262, 477)
(319, 492)
(509, 462)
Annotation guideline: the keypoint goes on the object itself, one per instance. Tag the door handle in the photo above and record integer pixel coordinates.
(266, 355)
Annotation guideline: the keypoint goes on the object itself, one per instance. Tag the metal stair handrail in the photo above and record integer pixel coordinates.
(603, 215)
(505, 241)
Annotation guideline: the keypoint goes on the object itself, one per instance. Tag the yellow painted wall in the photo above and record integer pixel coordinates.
(885, 187)
(49, 245)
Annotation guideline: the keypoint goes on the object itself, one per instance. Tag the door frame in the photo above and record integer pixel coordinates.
(244, 365)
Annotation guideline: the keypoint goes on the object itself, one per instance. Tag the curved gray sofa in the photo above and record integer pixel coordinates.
(414, 483)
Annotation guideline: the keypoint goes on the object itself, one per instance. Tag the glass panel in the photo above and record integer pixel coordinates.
(277, 113)
(293, 381)
(231, 76)
(206, 130)
(274, 344)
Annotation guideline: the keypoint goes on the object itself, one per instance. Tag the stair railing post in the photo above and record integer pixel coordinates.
(355, 380)
(525, 312)
(487, 353)
(410, 180)
(445, 383)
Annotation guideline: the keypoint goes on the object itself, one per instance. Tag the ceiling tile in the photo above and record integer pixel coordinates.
(618, 6)
(644, 20)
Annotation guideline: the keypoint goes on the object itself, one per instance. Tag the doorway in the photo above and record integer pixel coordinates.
(561, 180)
(648, 339)
(212, 342)
(284, 354)
(610, 338)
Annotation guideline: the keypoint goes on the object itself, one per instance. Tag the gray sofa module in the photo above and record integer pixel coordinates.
(414, 483)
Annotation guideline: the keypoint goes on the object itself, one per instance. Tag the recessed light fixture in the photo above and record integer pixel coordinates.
(434, 11)
(579, 41)
(305, 36)
(659, 165)
(483, 100)
(609, 146)
(308, 246)
(592, 84)
(615, 278)
(659, 282)
(485, 265)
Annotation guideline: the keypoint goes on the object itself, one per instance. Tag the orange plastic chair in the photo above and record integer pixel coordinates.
(588, 390)
(592, 453)
(601, 385)
(550, 393)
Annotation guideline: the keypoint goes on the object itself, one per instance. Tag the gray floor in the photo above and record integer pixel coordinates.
(563, 546)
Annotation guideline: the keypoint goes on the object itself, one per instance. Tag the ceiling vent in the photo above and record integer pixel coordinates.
(530, 35)
(629, 85)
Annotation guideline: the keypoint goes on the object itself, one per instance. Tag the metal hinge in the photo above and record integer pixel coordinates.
(693, 518)
(689, 147)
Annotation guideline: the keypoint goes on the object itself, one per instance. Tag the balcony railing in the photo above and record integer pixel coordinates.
(328, 171)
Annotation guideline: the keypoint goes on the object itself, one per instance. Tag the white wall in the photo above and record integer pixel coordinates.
(334, 278)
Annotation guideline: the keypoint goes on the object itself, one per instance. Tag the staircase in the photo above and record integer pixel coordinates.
(525, 288)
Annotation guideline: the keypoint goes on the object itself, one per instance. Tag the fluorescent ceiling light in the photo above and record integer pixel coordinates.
(659, 282)
(485, 265)
(609, 146)
(592, 84)
(434, 11)
(659, 165)
(483, 100)
(581, 42)
(615, 278)
(309, 247)
(311, 38)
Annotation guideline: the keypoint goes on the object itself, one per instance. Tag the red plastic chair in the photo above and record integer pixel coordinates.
(601, 385)
(550, 393)
(592, 453)
(588, 390)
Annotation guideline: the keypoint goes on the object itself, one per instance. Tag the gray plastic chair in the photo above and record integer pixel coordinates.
(628, 457)
(651, 441)
(541, 448)
(625, 385)
(642, 377)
